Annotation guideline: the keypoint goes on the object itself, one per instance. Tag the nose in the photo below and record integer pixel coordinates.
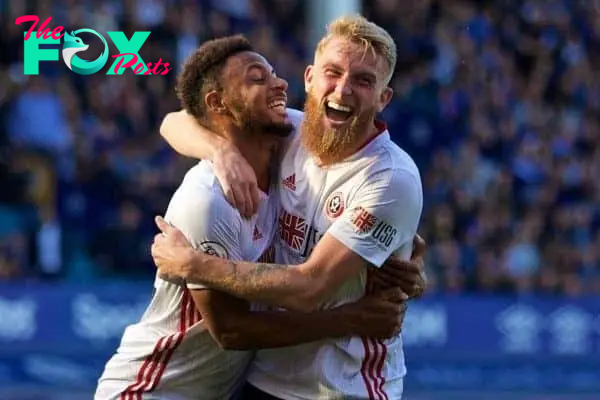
(280, 83)
(343, 87)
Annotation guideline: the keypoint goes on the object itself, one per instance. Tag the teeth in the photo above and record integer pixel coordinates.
(338, 107)
(278, 103)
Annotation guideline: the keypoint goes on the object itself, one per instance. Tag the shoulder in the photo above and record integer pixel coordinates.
(392, 164)
(390, 184)
(200, 199)
(201, 178)
(295, 117)
(202, 186)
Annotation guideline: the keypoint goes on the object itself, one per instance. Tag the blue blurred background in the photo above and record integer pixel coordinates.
(497, 102)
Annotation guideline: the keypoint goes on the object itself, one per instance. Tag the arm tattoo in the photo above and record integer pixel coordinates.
(257, 272)
(264, 268)
(277, 284)
(234, 268)
(260, 276)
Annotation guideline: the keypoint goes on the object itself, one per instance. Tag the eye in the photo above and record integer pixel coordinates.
(332, 73)
(257, 78)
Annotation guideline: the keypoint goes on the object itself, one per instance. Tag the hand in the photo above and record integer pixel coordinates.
(238, 180)
(171, 252)
(381, 314)
(406, 275)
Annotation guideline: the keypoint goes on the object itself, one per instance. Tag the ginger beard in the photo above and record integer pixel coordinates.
(332, 145)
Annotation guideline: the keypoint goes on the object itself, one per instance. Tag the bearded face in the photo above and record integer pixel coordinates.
(346, 87)
(254, 120)
(254, 96)
(332, 143)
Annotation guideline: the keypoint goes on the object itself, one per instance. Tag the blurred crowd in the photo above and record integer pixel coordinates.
(496, 101)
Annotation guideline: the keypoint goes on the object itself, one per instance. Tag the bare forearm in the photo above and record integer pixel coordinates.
(183, 133)
(273, 329)
(290, 287)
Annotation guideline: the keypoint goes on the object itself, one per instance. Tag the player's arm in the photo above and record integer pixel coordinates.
(215, 228)
(382, 217)
(187, 137)
(234, 326)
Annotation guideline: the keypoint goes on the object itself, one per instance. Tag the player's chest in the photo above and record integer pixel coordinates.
(311, 199)
(258, 235)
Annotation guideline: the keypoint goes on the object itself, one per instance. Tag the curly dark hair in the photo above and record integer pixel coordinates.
(202, 70)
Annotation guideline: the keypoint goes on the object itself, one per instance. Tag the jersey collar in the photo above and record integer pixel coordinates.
(381, 128)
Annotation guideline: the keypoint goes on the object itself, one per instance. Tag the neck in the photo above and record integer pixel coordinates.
(371, 134)
(258, 152)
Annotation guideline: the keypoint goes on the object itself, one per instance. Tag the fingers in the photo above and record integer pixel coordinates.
(255, 198)
(154, 241)
(162, 224)
(236, 198)
(247, 210)
(420, 285)
(403, 308)
(400, 268)
(410, 283)
(169, 237)
(380, 283)
(243, 199)
(419, 247)
(396, 265)
(412, 289)
(410, 274)
(251, 199)
(229, 195)
(393, 294)
(154, 249)
(238, 180)
(158, 241)
(417, 291)
(157, 238)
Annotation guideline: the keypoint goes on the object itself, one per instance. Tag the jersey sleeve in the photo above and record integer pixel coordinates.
(208, 222)
(382, 216)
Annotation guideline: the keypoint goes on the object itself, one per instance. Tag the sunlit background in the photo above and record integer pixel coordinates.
(497, 101)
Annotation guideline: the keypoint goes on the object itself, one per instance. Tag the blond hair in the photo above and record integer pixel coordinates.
(358, 29)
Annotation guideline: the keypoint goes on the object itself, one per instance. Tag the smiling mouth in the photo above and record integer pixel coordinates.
(337, 112)
(278, 106)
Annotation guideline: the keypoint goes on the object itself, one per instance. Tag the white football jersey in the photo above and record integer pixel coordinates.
(371, 202)
(169, 353)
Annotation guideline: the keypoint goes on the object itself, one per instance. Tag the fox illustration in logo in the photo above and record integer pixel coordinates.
(73, 44)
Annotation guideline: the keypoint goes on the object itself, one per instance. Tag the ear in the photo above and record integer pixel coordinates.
(384, 98)
(214, 102)
(308, 76)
